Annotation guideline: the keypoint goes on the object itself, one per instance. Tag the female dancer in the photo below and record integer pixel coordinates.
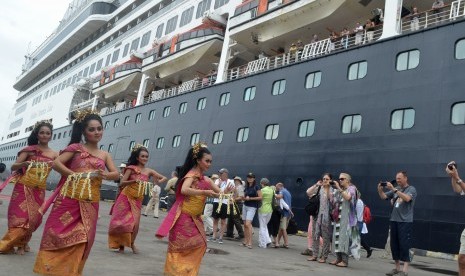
(32, 168)
(70, 228)
(187, 241)
(124, 223)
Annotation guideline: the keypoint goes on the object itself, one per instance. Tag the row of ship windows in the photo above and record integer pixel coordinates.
(400, 119)
(171, 24)
(405, 61)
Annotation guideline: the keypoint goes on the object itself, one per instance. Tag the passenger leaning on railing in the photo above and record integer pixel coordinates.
(437, 6)
(414, 19)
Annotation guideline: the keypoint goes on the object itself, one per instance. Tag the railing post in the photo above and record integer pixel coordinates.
(426, 20)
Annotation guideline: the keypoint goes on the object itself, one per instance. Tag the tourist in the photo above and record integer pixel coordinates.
(235, 218)
(414, 20)
(32, 167)
(187, 241)
(208, 211)
(154, 201)
(125, 216)
(76, 199)
(222, 207)
(401, 221)
(170, 188)
(252, 199)
(362, 227)
(264, 213)
(286, 215)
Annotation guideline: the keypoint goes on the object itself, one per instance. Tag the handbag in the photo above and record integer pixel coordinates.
(313, 205)
(275, 204)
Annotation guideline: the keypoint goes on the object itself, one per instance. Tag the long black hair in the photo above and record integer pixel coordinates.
(132, 160)
(33, 138)
(80, 126)
(190, 162)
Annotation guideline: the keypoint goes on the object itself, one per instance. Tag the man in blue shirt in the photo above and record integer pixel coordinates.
(287, 213)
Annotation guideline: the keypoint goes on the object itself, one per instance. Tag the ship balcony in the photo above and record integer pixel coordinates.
(119, 82)
(185, 53)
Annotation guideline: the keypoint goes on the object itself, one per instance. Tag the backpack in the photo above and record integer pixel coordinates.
(367, 214)
(313, 205)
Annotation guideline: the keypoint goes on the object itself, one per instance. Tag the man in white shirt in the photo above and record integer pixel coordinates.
(220, 208)
(154, 201)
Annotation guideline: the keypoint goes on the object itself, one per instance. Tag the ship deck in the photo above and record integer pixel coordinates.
(229, 258)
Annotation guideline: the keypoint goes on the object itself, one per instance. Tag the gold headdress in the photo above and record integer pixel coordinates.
(137, 146)
(196, 148)
(80, 115)
(38, 123)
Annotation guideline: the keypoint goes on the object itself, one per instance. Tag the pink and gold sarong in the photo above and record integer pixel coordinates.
(69, 232)
(187, 240)
(126, 212)
(28, 195)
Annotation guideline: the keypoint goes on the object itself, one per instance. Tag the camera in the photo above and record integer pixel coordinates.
(331, 182)
(383, 184)
(451, 166)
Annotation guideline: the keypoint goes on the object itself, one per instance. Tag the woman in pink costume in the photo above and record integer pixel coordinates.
(70, 228)
(125, 219)
(32, 168)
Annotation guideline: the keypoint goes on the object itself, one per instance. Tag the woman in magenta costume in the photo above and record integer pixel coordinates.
(32, 168)
(187, 241)
(125, 219)
(70, 228)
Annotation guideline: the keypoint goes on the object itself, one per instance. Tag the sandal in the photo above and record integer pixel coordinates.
(312, 259)
(334, 262)
(322, 261)
(341, 264)
(249, 246)
(285, 246)
(274, 246)
(242, 244)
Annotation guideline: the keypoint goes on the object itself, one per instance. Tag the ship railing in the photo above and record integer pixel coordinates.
(431, 18)
(120, 106)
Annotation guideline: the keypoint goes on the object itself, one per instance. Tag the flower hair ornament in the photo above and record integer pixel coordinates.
(80, 115)
(196, 148)
(137, 147)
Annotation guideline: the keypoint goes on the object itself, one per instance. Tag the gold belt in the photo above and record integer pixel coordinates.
(36, 175)
(138, 190)
(82, 187)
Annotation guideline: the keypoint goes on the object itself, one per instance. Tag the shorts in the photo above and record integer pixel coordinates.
(462, 243)
(283, 223)
(223, 214)
(248, 213)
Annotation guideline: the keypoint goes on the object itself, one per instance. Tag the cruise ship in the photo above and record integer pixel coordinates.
(287, 89)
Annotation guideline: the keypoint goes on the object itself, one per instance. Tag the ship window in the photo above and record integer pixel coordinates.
(217, 137)
(138, 117)
(146, 143)
(152, 115)
(160, 142)
(99, 64)
(126, 120)
(166, 111)
(249, 93)
(107, 62)
(219, 3)
(182, 108)
(458, 114)
(271, 132)
(408, 60)
(101, 147)
(115, 56)
(186, 16)
(351, 123)
(201, 103)
(306, 128)
(279, 87)
(171, 24)
(116, 122)
(110, 148)
(125, 51)
(242, 134)
(59, 135)
(160, 30)
(224, 98)
(54, 136)
(357, 70)
(135, 44)
(402, 118)
(202, 8)
(195, 137)
(460, 49)
(107, 123)
(92, 70)
(131, 145)
(145, 39)
(313, 80)
(176, 141)
(86, 72)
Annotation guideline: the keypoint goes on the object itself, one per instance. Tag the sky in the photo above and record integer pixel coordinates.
(24, 25)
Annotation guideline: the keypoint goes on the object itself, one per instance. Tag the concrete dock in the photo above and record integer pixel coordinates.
(225, 259)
